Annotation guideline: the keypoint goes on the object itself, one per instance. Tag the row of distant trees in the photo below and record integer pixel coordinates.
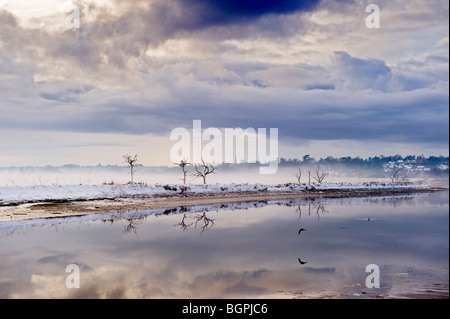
(370, 162)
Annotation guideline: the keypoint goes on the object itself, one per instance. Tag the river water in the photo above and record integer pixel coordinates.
(389, 247)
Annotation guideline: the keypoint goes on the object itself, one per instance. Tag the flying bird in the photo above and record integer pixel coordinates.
(301, 229)
(301, 262)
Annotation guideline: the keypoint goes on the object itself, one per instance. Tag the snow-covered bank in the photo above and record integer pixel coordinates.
(30, 194)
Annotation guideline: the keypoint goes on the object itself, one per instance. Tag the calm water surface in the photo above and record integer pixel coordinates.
(251, 252)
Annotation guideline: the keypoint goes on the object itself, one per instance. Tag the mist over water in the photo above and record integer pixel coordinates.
(97, 175)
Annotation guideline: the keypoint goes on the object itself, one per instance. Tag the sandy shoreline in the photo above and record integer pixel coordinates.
(81, 207)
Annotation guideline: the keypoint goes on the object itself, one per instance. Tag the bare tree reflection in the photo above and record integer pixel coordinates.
(131, 227)
(299, 211)
(205, 222)
(319, 209)
(17, 231)
(111, 221)
(183, 224)
(208, 223)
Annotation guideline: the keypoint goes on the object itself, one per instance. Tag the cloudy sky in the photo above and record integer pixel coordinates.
(135, 70)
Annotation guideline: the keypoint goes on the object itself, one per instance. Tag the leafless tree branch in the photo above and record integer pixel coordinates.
(397, 173)
(320, 174)
(132, 163)
(183, 164)
(299, 175)
(203, 170)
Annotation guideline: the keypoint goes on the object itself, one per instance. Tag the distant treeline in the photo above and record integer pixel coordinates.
(434, 163)
(378, 164)
(371, 162)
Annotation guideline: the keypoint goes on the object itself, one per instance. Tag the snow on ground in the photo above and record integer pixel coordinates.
(21, 194)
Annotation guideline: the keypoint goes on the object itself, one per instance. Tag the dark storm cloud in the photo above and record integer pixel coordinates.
(259, 7)
(141, 27)
(218, 12)
(113, 40)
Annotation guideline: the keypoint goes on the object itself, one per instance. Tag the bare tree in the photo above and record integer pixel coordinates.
(396, 173)
(320, 174)
(404, 174)
(183, 165)
(203, 170)
(132, 162)
(299, 175)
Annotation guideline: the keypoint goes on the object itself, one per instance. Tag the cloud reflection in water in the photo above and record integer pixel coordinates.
(241, 253)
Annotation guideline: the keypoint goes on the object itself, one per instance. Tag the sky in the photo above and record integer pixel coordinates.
(135, 70)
